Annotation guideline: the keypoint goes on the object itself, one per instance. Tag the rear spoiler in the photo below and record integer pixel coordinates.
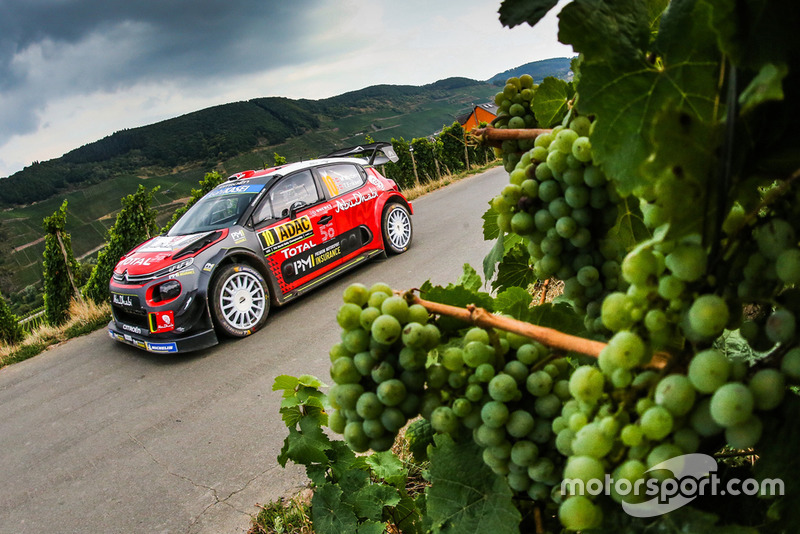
(375, 153)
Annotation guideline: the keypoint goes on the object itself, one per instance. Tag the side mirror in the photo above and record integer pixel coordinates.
(297, 206)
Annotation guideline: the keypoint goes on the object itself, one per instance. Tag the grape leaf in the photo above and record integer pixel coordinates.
(659, 234)
(501, 247)
(369, 501)
(514, 12)
(455, 296)
(614, 31)
(329, 514)
(629, 228)
(286, 383)
(307, 445)
(388, 467)
(292, 415)
(352, 481)
(560, 316)
(311, 396)
(343, 459)
(312, 402)
(689, 519)
(409, 513)
(515, 269)
(551, 103)
(655, 8)
(465, 496)
(317, 473)
(625, 84)
(490, 228)
(766, 86)
(514, 302)
(371, 527)
(683, 167)
(470, 278)
(310, 381)
(493, 257)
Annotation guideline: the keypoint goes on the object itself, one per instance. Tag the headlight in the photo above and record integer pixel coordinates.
(176, 267)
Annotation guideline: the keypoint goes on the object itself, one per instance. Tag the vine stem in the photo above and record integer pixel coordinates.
(547, 336)
(480, 317)
(741, 454)
(537, 518)
(543, 296)
(496, 136)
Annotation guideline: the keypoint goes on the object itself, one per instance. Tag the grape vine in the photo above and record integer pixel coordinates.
(661, 187)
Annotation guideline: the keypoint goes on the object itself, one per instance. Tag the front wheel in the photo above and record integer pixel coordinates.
(396, 227)
(239, 300)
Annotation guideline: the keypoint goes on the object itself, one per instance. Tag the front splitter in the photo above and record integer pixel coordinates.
(188, 343)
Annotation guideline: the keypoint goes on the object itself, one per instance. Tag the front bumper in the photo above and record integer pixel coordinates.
(186, 343)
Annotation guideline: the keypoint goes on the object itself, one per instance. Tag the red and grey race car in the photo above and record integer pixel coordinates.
(261, 238)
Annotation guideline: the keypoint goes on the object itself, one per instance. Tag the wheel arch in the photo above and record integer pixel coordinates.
(253, 260)
(384, 204)
(393, 199)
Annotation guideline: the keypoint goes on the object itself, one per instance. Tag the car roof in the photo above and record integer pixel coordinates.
(375, 153)
(266, 176)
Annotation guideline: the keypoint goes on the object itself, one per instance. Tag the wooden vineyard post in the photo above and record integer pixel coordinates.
(414, 165)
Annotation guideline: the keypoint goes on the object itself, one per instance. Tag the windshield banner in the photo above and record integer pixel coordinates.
(235, 190)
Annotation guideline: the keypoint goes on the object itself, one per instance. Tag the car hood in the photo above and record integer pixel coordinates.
(163, 252)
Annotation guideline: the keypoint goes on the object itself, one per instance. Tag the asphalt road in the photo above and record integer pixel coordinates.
(99, 437)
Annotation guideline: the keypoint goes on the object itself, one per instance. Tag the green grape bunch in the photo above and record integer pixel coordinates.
(378, 368)
(514, 111)
(563, 206)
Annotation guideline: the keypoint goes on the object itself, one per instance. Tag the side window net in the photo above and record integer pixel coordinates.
(341, 178)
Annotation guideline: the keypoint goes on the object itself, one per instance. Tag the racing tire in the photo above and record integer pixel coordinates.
(239, 299)
(396, 228)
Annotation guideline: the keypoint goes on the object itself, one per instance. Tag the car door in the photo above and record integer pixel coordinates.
(352, 199)
(295, 229)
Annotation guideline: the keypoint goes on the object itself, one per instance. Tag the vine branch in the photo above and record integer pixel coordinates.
(549, 337)
(495, 136)
(480, 317)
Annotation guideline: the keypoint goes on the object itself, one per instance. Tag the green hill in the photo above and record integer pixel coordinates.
(558, 67)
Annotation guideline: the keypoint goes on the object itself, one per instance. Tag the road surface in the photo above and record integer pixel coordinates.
(99, 437)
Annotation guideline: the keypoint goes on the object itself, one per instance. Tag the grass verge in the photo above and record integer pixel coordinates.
(419, 190)
(85, 317)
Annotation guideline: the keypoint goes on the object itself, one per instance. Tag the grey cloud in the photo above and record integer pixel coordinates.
(89, 45)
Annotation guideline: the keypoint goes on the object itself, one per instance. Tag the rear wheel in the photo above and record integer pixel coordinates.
(396, 228)
(239, 300)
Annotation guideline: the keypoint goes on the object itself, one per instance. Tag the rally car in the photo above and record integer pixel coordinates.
(260, 239)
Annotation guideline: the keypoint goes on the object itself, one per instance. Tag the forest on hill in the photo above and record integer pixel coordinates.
(557, 67)
(208, 136)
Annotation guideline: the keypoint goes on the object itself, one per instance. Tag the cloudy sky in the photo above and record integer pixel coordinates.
(74, 71)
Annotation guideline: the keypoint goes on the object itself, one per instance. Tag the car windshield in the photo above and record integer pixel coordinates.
(220, 208)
